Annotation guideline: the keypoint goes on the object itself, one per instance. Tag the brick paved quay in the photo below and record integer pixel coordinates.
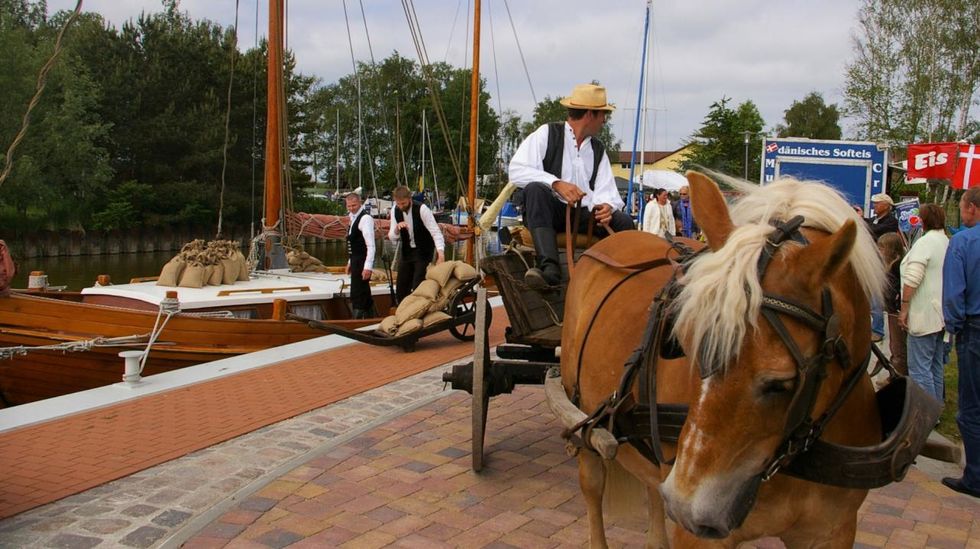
(390, 467)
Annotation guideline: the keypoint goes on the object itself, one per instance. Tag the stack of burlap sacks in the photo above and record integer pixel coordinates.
(302, 262)
(199, 264)
(426, 305)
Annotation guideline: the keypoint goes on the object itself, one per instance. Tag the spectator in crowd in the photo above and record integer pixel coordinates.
(961, 311)
(892, 249)
(921, 310)
(683, 216)
(883, 222)
(658, 216)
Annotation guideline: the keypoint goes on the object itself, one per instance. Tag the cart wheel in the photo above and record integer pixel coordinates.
(481, 367)
(466, 330)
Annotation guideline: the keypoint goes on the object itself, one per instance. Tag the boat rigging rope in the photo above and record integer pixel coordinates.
(169, 306)
(74, 346)
(42, 78)
(224, 149)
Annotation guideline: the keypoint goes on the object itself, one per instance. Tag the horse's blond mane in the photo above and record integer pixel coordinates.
(722, 295)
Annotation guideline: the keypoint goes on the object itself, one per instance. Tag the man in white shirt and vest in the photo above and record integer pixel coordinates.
(360, 251)
(561, 164)
(421, 238)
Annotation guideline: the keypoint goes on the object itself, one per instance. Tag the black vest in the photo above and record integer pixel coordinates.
(356, 245)
(423, 240)
(556, 146)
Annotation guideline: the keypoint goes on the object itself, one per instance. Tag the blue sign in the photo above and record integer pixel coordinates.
(907, 212)
(856, 169)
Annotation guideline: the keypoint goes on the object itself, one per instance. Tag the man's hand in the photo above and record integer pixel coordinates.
(366, 274)
(402, 225)
(603, 214)
(440, 257)
(347, 269)
(569, 191)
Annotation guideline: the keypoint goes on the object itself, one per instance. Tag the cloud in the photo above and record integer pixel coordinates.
(769, 52)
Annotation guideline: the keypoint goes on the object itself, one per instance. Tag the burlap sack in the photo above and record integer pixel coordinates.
(388, 326)
(411, 307)
(230, 269)
(170, 274)
(441, 272)
(446, 294)
(429, 289)
(433, 317)
(410, 326)
(192, 277)
(243, 269)
(217, 275)
(464, 271)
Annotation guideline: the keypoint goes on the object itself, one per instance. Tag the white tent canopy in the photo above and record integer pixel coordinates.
(663, 179)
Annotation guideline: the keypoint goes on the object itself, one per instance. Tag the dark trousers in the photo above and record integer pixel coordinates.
(968, 417)
(360, 289)
(543, 209)
(411, 270)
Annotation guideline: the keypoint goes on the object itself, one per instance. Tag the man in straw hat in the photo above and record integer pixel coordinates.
(563, 163)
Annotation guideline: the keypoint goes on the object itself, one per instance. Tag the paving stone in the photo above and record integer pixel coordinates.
(140, 510)
(144, 536)
(171, 518)
(104, 526)
(73, 541)
(278, 538)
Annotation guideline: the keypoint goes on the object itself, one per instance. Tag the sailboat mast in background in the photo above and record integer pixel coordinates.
(273, 133)
(474, 123)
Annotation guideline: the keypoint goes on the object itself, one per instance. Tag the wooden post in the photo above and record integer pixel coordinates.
(273, 131)
(474, 133)
(279, 309)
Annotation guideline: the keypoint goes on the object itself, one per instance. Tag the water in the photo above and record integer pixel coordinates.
(77, 272)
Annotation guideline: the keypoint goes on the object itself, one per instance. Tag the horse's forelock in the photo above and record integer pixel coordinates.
(722, 295)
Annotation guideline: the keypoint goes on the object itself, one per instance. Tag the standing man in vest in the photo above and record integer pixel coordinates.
(414, 225)
(360, 251)
(561, 164)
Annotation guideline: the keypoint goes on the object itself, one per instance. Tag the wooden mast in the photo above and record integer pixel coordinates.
(474, 123)
(273, 131)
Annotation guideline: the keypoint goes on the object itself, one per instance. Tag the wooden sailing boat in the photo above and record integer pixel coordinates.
(38, 329)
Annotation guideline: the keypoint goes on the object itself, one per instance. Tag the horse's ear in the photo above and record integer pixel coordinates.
(710, 209)
(821, 260)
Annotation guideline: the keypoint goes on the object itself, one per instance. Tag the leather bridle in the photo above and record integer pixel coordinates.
(801, 430)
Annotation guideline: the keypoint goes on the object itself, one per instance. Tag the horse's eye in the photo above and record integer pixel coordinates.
(776, 387)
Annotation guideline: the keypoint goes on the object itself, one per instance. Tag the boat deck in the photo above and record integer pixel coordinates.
(354, 446)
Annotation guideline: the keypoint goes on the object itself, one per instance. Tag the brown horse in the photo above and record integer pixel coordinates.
(745, 374)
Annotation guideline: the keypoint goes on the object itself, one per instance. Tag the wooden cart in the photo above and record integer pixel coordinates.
(461, 323)
(532, 338)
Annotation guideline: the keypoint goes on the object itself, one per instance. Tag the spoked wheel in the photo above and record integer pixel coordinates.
(463, 304)
(481, 367)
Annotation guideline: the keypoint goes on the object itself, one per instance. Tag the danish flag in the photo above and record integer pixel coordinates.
(967, 168)
(772, 147)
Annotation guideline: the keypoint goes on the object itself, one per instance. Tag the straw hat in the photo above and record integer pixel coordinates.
(588, 97)
(882, 197)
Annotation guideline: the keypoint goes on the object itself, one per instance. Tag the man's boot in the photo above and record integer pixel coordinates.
(547, 273)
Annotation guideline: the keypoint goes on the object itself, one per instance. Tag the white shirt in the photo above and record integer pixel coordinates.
(654, 216)
(526, 166)
(428, 220)
(922, 268)
(366, 227)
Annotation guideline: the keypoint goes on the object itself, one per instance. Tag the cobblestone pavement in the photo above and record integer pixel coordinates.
(408, 483)
(144, 509)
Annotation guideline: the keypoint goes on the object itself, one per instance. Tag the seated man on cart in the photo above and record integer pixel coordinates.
(564, 163)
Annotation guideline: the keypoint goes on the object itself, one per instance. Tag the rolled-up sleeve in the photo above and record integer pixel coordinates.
(605, 186)
(429, 221)
(392, 231)
(367, 229)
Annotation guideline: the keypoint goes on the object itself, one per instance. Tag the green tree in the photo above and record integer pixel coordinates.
(915, 70)
(811, 118)
(720, 142)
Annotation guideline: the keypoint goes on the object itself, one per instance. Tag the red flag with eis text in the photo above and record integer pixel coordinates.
(967, 174)
(931, 160)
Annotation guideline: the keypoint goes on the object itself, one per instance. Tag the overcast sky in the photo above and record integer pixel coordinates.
(770, 52)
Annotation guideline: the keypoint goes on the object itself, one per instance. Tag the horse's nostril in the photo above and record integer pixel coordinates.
(709, 532)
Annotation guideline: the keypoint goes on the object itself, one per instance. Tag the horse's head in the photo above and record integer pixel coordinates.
(776, 317)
